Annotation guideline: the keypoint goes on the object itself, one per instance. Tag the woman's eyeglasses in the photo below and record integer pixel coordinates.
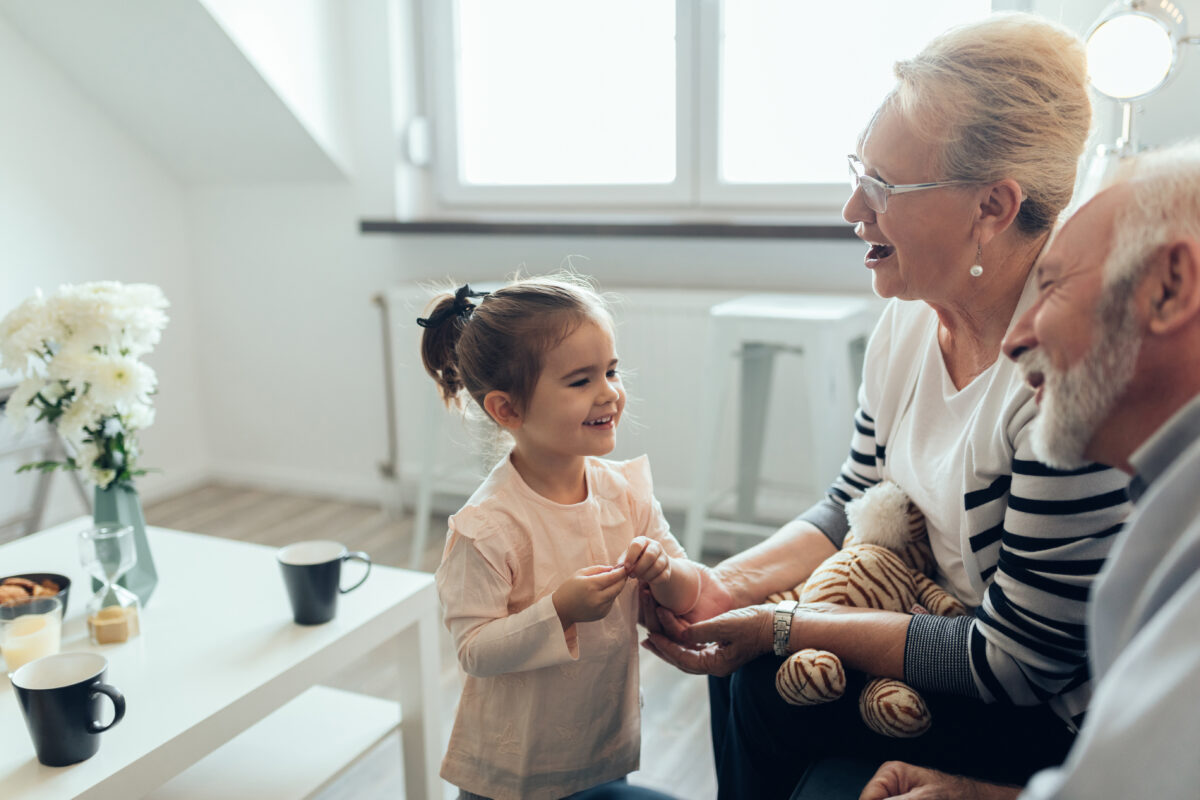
(876, 192)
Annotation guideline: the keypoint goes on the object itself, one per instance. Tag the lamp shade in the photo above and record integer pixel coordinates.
(1133, 48)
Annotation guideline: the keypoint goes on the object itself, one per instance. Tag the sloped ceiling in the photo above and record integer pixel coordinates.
(168, 73)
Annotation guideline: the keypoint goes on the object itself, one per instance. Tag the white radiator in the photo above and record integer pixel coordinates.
(661, 338)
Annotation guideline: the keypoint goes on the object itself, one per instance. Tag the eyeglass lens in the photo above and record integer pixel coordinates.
(873, 193)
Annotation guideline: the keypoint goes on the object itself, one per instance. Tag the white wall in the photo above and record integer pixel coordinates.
(81, 201)
(292, 360)
(297, 47)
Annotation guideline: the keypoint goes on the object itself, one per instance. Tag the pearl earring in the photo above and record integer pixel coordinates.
(977, 268)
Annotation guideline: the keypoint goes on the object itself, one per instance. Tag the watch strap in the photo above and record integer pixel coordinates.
(784, 611)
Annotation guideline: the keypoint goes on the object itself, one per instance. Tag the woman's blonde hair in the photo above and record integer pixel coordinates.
(1005, 97)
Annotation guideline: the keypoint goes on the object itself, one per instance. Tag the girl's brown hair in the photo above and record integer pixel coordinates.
(498, 342)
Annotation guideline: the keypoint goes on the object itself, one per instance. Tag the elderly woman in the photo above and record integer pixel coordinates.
(958, 180)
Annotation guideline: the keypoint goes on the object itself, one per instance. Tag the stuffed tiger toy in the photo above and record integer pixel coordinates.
(885, 562)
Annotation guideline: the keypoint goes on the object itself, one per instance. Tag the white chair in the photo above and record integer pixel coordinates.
(830, 333)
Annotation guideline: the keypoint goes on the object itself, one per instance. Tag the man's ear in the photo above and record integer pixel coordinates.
(998, 208)
(500, 407)
(1174, 287)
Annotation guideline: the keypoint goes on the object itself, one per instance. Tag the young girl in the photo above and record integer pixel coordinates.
(535, 577)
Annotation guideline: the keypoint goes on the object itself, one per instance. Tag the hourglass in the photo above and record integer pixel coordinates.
(107, 552)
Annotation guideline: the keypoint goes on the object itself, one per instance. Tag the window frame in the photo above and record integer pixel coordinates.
(697, 193)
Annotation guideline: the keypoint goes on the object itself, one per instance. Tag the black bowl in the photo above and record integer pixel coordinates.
(64, 584)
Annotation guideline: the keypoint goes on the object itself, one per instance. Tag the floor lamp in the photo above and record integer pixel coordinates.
(1133, 49)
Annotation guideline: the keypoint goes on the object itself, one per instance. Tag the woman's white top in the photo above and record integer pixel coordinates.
(1018, 541)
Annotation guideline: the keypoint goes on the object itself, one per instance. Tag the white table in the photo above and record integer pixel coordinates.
(219, 652)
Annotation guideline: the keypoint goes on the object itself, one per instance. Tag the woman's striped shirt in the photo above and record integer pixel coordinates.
(1018, 541)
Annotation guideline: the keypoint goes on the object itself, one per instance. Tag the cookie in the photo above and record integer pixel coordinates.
(24, 583)
(11, 594)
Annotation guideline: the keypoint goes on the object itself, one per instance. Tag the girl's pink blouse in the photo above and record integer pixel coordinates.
(544, 712)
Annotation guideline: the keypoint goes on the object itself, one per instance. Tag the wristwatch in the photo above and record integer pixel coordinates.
(784, 612)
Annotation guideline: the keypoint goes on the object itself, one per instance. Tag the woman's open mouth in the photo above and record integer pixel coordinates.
(600, 422)
(877, 253)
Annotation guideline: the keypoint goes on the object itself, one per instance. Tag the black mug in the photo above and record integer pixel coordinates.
(60, 698)
(312, 572)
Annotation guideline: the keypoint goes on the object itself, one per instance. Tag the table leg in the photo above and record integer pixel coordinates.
(420, 706)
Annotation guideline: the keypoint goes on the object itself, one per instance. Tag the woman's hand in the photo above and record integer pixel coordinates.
(589, 594)
(715, 596)
(899, 781)
(717, 646)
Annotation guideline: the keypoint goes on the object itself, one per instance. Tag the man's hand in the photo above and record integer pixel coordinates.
(713, 647)
(896, 780)
(589, 594)
(646, 560)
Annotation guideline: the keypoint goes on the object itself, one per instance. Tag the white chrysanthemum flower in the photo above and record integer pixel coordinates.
(145, 295)
(144, 318)
(18, 409)
(82, 413)
(54, 390)
(86, 454)
(24, 332)
(120, 319)
(138, 416)
(73, 364)
(87, 315)
(119, 381)
(102, 477)
(88, 338)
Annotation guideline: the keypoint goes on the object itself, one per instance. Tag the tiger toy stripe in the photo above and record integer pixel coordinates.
(884, 563)
(816, 678)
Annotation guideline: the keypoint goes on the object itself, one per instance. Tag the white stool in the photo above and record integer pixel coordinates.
(830, 332)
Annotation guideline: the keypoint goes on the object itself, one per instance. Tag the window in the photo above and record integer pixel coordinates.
(672, 106)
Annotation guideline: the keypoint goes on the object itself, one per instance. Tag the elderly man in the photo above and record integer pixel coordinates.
(1112, 347)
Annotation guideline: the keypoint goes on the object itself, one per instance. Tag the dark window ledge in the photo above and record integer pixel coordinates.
(710, 230)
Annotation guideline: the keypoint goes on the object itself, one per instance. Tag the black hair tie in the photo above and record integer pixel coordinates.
(460, 308)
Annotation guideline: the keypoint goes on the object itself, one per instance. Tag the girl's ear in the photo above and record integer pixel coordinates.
(500, 407)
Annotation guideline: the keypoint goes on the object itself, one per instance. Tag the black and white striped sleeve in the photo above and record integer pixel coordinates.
(1026, 642)
(859, 472)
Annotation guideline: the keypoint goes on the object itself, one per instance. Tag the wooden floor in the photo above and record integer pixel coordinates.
(676, 754)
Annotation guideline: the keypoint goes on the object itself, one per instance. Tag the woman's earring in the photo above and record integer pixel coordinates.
(977, 268)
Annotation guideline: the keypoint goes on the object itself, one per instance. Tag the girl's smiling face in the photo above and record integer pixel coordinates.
(578, 398)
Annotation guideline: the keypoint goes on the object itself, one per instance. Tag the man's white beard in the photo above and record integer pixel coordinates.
(1076, 401)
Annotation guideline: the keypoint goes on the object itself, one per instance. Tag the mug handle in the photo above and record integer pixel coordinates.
(357, 555)
(118, 701)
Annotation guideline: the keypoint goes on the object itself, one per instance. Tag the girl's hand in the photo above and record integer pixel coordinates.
(717, 646)
(646, 560)
(589, 594)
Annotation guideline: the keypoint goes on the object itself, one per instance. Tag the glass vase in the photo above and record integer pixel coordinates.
(119, 504)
